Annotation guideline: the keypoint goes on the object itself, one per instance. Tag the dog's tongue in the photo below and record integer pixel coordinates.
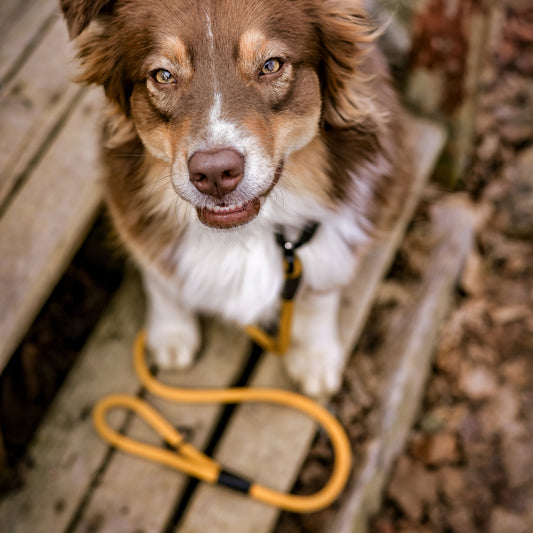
(228, 217)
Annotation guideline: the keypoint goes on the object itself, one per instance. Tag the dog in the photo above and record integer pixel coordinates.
(230, 119)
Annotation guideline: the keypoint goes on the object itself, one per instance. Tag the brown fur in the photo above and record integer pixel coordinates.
(324, 129)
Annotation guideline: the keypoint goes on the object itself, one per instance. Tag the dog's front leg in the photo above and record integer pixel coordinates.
(315, 358)
(173, 332)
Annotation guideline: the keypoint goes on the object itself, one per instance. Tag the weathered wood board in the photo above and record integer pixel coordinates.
(405, 357)
(22, 24)
(49, 170)
(47, 220)
(66, 452)
(33, 103)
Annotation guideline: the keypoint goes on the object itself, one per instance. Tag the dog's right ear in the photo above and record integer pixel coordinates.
(78, 13)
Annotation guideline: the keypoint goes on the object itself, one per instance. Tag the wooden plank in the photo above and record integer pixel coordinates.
(405, 358)
(255, 441)
(22, 25)
(137, 495)
(9, 10)
(73, 484)
(32, 104)
(47, 220)
(66, 452)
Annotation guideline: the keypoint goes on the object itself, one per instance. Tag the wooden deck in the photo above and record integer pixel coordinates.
(49, 195)
(49, 172)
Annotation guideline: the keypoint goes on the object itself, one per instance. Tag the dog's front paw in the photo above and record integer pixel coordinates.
(174, 345)
(316, 368)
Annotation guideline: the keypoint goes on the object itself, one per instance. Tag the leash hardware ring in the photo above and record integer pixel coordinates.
(191, 461)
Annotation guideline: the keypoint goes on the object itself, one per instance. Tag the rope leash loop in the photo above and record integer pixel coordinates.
(185, 458)
(193, 462)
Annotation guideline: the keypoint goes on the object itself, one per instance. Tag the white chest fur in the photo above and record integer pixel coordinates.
(238, 274)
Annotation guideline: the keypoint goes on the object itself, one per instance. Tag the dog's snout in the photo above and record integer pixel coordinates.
(216, 173)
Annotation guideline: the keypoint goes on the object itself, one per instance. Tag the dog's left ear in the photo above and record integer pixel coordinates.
(100, 51)
(78, 13)
(345, 34)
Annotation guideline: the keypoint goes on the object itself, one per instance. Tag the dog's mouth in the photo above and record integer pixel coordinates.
(224, 215)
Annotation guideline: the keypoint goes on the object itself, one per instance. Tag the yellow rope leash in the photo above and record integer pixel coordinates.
(186, 458)
(194, 463)
(279, 344)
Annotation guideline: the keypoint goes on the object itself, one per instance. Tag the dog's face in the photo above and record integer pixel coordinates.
(222, 91)
(224, 96)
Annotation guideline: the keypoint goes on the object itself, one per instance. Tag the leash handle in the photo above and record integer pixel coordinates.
(185, 457)
(194, 463)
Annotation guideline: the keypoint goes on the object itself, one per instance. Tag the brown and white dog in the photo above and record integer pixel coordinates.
(228, 119)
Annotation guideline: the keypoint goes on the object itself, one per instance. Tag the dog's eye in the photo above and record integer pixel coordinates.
(271, 66)
(164, 76)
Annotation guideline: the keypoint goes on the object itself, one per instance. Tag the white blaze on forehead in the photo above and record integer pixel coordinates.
(221, 132)
(217, 127)
(209, 28)
(211, 39)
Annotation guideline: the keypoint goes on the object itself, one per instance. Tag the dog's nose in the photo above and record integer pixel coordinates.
(216, 173)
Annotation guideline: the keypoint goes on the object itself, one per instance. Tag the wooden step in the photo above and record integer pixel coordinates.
(404, 362)
(49, 170)
(77, 484)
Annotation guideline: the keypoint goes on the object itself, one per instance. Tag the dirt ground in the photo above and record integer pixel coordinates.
(468, 466)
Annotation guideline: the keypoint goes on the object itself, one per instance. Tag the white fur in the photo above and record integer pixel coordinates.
(173, 331)
(238, 273)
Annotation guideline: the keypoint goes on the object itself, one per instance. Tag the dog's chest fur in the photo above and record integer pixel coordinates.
(239, 274)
